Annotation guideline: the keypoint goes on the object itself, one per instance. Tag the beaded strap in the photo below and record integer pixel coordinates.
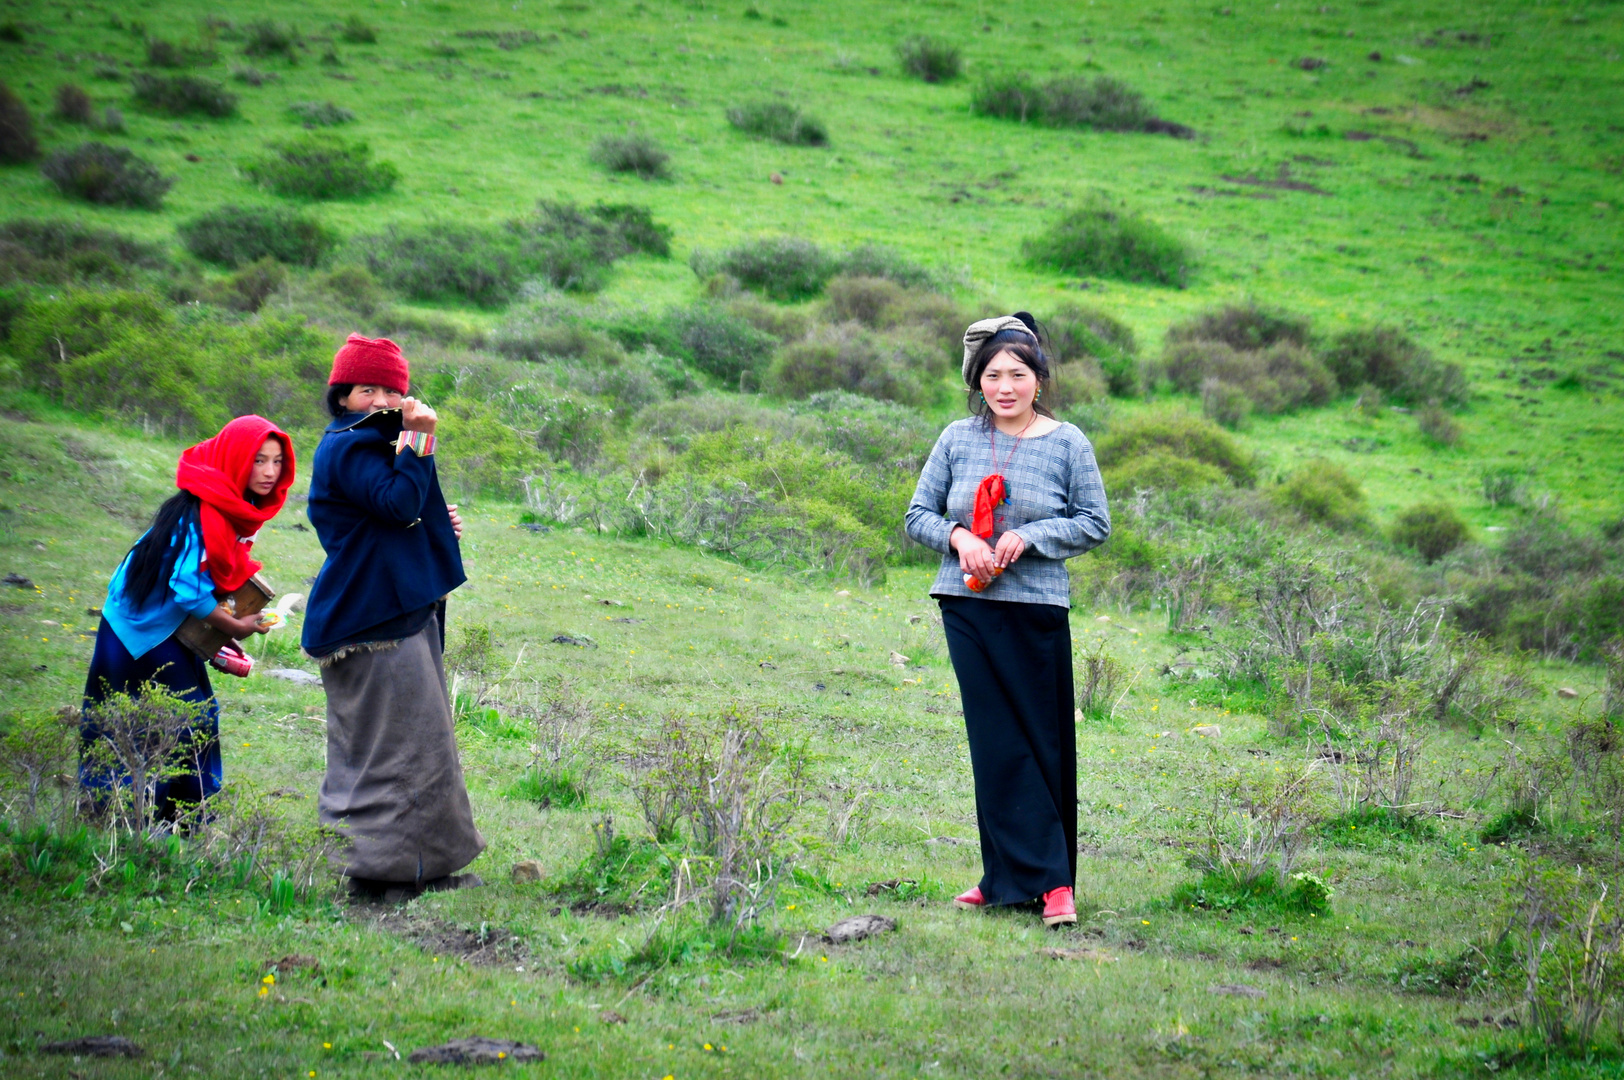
(421, 442)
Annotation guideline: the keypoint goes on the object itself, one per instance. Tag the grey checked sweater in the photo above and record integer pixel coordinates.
(1056, 505)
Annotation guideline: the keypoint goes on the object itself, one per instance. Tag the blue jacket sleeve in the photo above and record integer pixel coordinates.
(393, 489)
(190, 583)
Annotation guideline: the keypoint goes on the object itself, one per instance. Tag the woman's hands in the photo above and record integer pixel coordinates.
(1010, 547)
(416, 416)
(979, 559)
(223, 620)
(456, 519)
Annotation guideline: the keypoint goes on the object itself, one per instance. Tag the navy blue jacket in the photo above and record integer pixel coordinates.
(382, 521)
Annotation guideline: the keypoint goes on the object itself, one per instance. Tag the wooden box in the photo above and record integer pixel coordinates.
(204, 639)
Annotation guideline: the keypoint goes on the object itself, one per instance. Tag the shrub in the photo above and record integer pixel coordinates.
(633, 228)
(1388, 358)
(719, 342)
(267, 38)
(251, 75)
(1073, 384)
(233, 235)
(1008, 97)
(321, 113)
(1432, 529)
(534, 337)
(632, 153)
(1105, 241)
(876, 261)
(850, 357)
(169, 54)
(490, 456)
(1322, 492)
(929, 58)
(779, 122)
(182, 94)
(446, 261)
(113, 176)
(73, 104)
(1277, 379)
(17, 142)
(572, 248)
(1101, 103)
(49, 252)
(1437, 426)
(249, 287)
(1181, 435)
(321, 166)
(1243, 327)
(357, 32)
(1077, 333)
(1160, 469)
(783, 267)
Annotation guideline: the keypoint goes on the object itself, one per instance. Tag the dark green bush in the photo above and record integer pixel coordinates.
(929, 58)
(635, 229)
(1106, 241)
(877, 261)
(1180, 434)
(74, 105)
(1437, 426)
(1321, 492)
(1101, 103)
(112, 176)
(182, 94)
(632, 153)
(266, 38)
(234, 235)
(321, 166)
(249, 287)
(1432, 529)
(17, 142)
(321, 113)
(170, 54)
(1009, 96)
(850, 357)
(1276, 379)
(779, 122)
(720, 343)
(572, 248)
(357, 32)
(1078, 334)
(783, 267)
(1245, 327)
(445, 261)
(54, 252)
(1388, 358)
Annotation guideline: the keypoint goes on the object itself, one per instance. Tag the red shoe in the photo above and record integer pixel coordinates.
(1059, 907)
(971, 900)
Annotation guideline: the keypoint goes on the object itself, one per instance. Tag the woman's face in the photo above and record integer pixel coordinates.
(370, 399)
(1009, 385)
(267, 468)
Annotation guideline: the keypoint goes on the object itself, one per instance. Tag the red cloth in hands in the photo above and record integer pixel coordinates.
(217, 472)
(989, 494)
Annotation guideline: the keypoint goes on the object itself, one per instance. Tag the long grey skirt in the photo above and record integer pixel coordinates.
(394, 785)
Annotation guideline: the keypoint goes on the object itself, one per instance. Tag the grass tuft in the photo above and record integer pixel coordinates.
(321, 166)
(1103, 240)
(632, 153)
(111, 176)
(780, 122)
(929, 58)
(321, 113)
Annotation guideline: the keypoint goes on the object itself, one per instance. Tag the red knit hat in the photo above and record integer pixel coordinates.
(370, 362)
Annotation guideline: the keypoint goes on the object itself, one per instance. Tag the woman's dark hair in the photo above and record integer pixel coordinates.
(1025, 346)
(335, 395)
(152, 559)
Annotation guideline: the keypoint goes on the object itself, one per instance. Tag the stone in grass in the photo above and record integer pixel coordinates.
(1207, 731)
(294, 675)
(1236, 990)
(1567, 692)
(857, 928)
(527, 872)
(476, 1050)
(95, 1046)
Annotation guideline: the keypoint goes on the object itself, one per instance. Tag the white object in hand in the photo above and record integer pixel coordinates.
(278, 615)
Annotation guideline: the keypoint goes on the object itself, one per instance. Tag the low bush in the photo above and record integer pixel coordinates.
(446, 261)
(53, 252)
(17, 142)
(884, 305)
(178, 95)
(1107, 241)
(252, 75)
(491, 457)
(262, 37)
(929, 58)
(1087, 334)
(249, 288)
(719, 342)
(1161, 469)
(1388, 358)
(1246, 327)
(877, 261)
(850, 357)
(1324, 493)
(74, 105)
(1180, 435)
(1008, 96)
(1074, 384)
(779, 122)
(358, 32)
(1437, 426)
(1432, 529)
(112, 176)
(1277, 379)
(321, 166)
(783, 267)
(633, 228)
(234, 235)
(632, 153)
(170, 54)
(321, 113)
(1101, 103)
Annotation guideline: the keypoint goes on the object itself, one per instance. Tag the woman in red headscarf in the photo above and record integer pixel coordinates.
(198, 549)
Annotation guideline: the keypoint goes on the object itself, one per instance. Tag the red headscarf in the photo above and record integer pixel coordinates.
(217, 471)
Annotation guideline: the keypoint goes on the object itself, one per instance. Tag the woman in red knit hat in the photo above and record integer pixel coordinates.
(376, 625)
(197, 550)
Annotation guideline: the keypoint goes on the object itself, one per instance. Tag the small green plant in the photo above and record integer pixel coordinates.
(929, 58)
(321, 114)
(321, 166)
(632, 153)
(1321, 492)
(778, 121)
(262, 37)
(73, 105)
(783, 267)
(178, 95)
(1107, 241)
(1437, 426)
(1254, 829)
(17, 141)
(110, 175)
(1099, 680)
(1387, 357)
(235, 235)
(358, 32)
(1432, 529)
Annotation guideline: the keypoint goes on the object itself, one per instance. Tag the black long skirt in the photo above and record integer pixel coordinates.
(1013, 662)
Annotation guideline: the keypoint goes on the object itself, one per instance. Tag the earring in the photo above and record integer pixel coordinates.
(1039, 396)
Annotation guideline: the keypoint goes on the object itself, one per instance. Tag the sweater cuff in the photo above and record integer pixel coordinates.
(421, 442)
